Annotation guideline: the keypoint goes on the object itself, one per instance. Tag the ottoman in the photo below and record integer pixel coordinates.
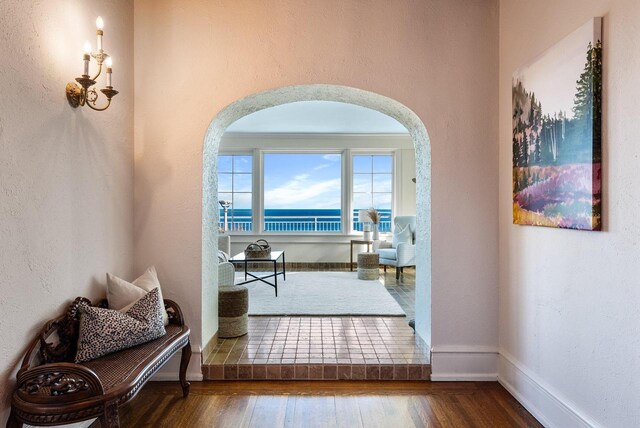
(233, 310)
(368, 266)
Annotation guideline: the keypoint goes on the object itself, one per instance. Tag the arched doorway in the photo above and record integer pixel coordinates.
(316, 92)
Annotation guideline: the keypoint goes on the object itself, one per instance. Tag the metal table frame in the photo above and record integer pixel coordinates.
(273, 258)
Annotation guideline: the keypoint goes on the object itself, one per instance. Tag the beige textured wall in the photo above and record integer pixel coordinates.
(569, 316)
(437, 57)
(66, 176)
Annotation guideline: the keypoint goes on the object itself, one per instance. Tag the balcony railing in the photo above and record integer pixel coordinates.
(303, 224)
(298, 224)
(238, 224)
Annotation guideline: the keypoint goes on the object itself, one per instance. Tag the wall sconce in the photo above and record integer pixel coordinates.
(86, 94)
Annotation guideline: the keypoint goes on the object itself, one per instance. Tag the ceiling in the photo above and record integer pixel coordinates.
(318, 117)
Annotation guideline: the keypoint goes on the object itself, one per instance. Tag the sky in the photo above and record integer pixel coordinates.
(552, 76)
(302, 181)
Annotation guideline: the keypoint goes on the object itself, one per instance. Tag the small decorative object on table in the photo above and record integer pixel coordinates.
(366, 234)
(374, 216)
(363, 217)
(257, 250)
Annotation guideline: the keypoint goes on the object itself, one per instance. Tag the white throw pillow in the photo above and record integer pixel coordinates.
(122, 294)
(401, 235)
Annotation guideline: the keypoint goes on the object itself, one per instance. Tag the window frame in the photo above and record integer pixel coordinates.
(394, 180)
(253, 170)
(264, 152)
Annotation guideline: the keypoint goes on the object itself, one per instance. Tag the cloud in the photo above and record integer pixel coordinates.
(362, 187)
(332, 158)
(301, 192)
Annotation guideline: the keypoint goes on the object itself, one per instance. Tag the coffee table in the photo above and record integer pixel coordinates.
(272, 258)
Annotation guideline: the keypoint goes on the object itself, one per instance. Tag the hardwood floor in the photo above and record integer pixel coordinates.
(347, 404)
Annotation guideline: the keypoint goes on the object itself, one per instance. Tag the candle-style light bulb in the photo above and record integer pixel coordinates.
(109, 64)
(99, 26)
(85, 58)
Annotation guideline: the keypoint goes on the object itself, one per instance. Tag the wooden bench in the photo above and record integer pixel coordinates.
(52, 390)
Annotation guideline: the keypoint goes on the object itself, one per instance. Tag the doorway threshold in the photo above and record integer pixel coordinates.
(321, 348)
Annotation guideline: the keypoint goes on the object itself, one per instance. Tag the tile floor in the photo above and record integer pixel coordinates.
(404, 290)
(376, 348)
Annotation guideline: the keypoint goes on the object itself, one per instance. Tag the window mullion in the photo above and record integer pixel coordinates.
(396, 184)
(347, 192)
(257, 186)
(233, 188)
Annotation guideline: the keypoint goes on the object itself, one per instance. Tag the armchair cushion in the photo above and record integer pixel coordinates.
(377, 245)
(401, 235)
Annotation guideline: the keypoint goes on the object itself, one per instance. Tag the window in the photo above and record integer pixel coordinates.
(305, 191)
(302, 192)
(235, 186)
(373, 187)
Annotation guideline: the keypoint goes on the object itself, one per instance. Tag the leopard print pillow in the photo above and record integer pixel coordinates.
(103, 331)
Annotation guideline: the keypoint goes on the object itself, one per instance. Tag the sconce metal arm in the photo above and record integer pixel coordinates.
(99, 71)
(100, 108)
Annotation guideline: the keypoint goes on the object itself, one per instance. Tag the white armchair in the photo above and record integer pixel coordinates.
(226, 270)
(224, 244)
(226, 274)
(404, 254)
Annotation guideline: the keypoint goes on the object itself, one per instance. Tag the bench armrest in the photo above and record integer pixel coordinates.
(57, 383)
(174, 312)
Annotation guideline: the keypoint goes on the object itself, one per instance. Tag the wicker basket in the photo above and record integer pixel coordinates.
(258, 250)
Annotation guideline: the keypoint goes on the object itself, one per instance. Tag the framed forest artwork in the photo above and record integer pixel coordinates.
(557, 138)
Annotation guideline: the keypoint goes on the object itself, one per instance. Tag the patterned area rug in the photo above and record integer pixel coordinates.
(321, 293)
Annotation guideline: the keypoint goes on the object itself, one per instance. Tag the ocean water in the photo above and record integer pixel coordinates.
(298, 220)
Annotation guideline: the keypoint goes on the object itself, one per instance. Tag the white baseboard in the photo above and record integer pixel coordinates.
(539, 399)
(464, 363)
(171, 370)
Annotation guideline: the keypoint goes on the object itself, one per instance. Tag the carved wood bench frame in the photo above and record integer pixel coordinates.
(50, 390)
